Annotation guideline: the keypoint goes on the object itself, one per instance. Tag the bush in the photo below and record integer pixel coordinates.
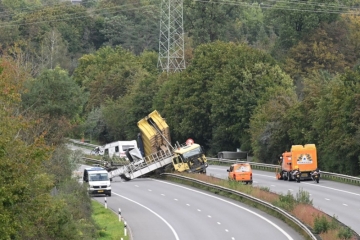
(266, 189)
(303, 197)
(344, 233)
(321, 224)
(286, 202)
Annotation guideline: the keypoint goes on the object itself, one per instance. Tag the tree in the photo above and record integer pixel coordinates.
(55, 94)
(294, 20)
(56, 99)
(316, 52)
(217, 94)
(107, 74)
(210, 21)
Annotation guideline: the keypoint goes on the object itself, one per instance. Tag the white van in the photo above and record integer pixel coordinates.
(117, 148)
(98, 180)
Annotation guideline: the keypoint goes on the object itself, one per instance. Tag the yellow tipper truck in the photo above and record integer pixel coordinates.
(155, 136)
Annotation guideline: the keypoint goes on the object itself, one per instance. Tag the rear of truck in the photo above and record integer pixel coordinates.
(305, 158)
(300, 157)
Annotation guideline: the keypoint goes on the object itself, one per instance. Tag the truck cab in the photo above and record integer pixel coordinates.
(97, 180)
(190, 158)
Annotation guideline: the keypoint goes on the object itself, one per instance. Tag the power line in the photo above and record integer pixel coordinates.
(41, 7)
(268, 6)
(64, 19)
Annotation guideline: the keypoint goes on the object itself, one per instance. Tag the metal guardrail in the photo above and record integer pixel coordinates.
(82, 143)
(288, 216)
(273, 167)
(263, 166)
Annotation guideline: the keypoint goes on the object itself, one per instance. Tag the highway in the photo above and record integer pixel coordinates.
(162, 210)
(336, 199)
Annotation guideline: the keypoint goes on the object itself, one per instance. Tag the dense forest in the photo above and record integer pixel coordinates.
(260, 76)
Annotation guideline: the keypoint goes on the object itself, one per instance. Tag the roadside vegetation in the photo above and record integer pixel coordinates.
(299, 205)
(108, 223)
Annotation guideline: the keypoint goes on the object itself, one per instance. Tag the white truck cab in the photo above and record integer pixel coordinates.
(98, 180)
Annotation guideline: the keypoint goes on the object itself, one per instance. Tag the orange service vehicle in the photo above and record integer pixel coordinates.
(300, 157)
(241, 172)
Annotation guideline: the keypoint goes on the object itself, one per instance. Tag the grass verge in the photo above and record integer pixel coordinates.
(109, 227)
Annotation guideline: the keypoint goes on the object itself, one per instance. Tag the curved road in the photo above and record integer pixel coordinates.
(336, 199)
(341, 200)
(162, 210)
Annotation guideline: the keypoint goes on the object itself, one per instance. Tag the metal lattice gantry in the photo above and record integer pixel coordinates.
(171, 40)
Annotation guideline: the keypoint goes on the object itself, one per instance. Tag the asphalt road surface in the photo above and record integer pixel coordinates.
(336, 199)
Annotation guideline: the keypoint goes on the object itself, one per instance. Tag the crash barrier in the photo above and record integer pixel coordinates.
(255, 165)
(77, 142)
(286, 216)
(273, 167)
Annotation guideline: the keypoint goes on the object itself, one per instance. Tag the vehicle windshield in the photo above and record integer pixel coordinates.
(243, 168)
(98, 177)
(192, 152)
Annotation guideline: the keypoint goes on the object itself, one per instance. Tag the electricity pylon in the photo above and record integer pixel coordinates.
(171, 40)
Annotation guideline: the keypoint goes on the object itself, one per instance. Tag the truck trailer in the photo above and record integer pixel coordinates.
(302, 158)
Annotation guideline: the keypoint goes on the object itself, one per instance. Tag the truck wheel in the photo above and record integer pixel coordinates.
(109, 194)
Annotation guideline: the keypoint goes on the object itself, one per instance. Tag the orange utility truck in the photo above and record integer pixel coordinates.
(300, 157)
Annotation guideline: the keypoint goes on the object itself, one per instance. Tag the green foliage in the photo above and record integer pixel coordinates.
(55, 94)
(107, 74)
(321, 224)
(29, 171)
(303, 197)
(286, 202)
(207, 22)
(266, 189)
(345, 233)
(291, 26)
(133, 29)
(212, 100)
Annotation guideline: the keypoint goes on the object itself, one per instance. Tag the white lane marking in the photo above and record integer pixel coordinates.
(136, 186)
(162, 194)
(273, 185)
(218, 223)
(188, 204)
(231, 203)
(175, 199)
(209, 216)
(232, 238)
(335, 189)
(226, 230)
(345, 204)
(199, 210)
(149, 190)
(327, 199)
(290, 189)
(168, 224)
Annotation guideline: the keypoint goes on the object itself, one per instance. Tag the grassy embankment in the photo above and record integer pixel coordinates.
(108, 222)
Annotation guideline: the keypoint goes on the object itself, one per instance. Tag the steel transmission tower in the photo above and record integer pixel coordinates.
(171, 41)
